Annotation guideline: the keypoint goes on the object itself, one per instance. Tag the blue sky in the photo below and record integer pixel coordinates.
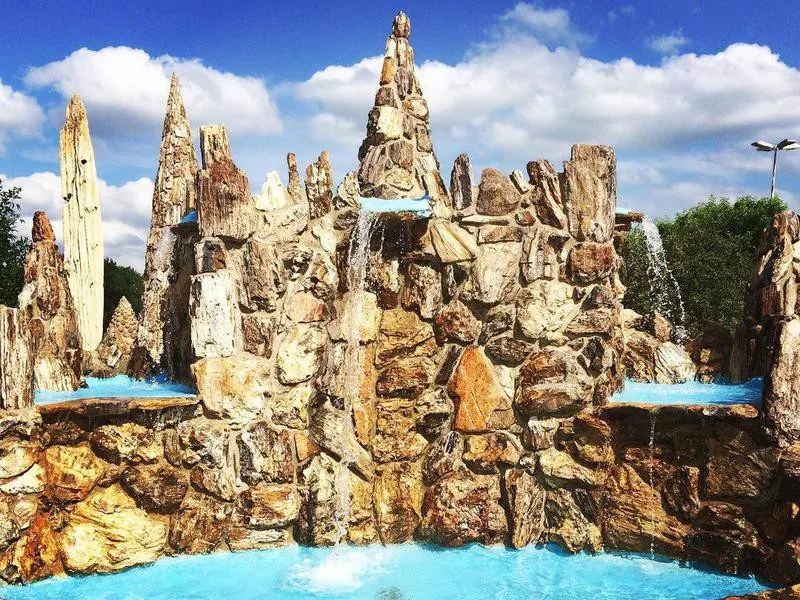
(679, 88)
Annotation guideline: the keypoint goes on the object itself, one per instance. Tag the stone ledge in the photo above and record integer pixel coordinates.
(100, 407)
(626, 409)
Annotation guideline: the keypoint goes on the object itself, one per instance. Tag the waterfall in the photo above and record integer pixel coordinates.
(665, 292)
(357, 261)
(652, 447)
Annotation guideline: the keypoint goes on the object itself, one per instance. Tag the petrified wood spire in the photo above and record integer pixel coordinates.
(48, 313)
(83, 238)
(397, 156)
(173, 196)
(16, 361)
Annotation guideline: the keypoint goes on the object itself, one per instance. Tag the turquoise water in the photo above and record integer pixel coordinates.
(692, 392)
(420, 206)
(120, 386)
(406, 572)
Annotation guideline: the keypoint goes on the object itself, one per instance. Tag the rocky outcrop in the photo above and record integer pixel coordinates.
(174, 194)
(48, 312)
(16, 361)
(651, 355)
(781, 411)
(83, 240)
(397, 156)
(115, 349)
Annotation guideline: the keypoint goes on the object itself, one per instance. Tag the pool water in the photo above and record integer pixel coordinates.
(120, 386)
(421, 206)
(404, 572)
(692, 392)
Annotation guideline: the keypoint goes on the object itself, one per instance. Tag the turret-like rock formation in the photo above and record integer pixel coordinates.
(48, 312)
(83, 237)
(118, 340)
(16, 361)
(397, 156)
(173, 196)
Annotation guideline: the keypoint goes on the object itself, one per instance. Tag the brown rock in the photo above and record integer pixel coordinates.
(120, 336)
(558, 468)
(265, 454)
(456, 323)
(461, 508)
(128, 442)
(35, 555)
(403, 333)
(589, 261)
(737, 466)
(591, 441)
(422, 290)
(508, 350)
(397, 496)
(680, 492)
(319, 186)
(72, 472)
(258, 332)
(480, 402)
(635, 520)
(266, 506)
(784, 564)
(782, 387)
(443, 456)
(526, 500)
(485, 453)
(496, 194)
(405, 377)
(551, 383)
(200, 524)
(567, 524)
(156, 488)
(396, 431)
(461, 183)
(546, 196)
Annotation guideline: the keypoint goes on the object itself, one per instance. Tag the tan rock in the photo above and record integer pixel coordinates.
(82, 224)
(456, 323)
(267, 506)
(200, 524)
(673, 364)
(559, 468)
(590, 192)
(260, 275)
(300, 353)
(451, 242)
(397, 496)
(422, 290)
(589, 261)
(546, 197)
(552, 383)
(781, 393)
(35, 555)
(319, 186)
(495, 273)
(544, 309)
(567, 523)
(397, 435)
(403, 333)
(265, 454)
(120, 336)
(16, 361)
(480, 402)
(31, 481)
(234, 387)
(107, 532)
(16, 457)
(214, 314)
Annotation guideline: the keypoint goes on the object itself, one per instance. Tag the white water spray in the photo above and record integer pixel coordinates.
(664, 289)
(652, 446)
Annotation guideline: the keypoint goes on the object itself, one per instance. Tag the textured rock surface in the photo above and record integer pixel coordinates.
(48, 312)
(174, 194)
(82, 224)
(16, 361)
(781, 413)
(397, 159)
(115, 349)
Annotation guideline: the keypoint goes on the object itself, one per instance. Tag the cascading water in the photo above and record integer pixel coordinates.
(665, 292)
(356, 274)
(652, 447)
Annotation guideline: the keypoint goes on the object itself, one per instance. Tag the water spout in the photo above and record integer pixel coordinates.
(652, 447)
(665, 292)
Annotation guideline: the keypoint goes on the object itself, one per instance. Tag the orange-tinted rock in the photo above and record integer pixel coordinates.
(589, 261)
(397, 496)
(480, 402)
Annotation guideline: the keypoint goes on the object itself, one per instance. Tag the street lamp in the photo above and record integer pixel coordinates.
(763, 146)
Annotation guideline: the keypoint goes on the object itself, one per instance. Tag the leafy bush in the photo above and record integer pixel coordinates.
(120, 281)
(12, 247)
(710, 249)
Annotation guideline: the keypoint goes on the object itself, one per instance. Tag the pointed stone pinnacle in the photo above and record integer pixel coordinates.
(401, 27)
(42, 231)
(76, 112)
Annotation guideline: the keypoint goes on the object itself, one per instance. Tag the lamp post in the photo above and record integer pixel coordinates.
(763, 146)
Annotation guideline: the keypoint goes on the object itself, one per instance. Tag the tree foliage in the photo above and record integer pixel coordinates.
(120, 281)
(12, 247)
(710, 249)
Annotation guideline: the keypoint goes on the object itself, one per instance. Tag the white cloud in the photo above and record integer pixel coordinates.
(125, 90)
(20, 115)
(125, 210)
(668, 44)
(548, 25)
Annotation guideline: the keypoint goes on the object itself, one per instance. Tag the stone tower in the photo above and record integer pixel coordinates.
(83, 236)
(173, 196)
(397, 159)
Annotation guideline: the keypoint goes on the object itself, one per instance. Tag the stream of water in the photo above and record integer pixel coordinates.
(665, 292)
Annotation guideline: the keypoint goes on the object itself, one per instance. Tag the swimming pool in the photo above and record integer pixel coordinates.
(692, 392)
(120, 386)
(403, 572)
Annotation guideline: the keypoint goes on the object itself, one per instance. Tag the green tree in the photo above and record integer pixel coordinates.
(710, 249)
(120, 281)
(12, 247)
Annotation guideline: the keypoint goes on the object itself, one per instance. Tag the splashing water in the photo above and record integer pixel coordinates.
(664, 289)
(356, 275)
